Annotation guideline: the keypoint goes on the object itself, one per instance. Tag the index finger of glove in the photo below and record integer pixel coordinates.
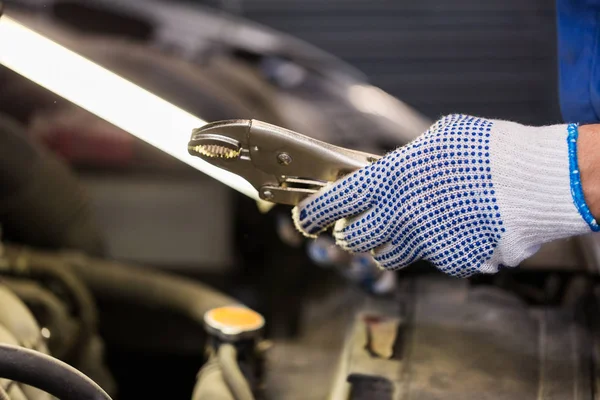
(347, 197)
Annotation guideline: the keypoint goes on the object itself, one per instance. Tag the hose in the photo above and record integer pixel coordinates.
(235, 380)
(19, 321)
(148, 287)
(33, 264)
(121, 283)
(16, 390)
(210, 384)
(48, 374)
(56, 317)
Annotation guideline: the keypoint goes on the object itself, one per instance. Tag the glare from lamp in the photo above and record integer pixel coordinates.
(106, 95)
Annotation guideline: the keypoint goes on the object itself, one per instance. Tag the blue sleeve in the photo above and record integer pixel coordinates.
(578, 57)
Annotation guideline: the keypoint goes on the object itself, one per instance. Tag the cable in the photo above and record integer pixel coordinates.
(48, 374)
(237, 383)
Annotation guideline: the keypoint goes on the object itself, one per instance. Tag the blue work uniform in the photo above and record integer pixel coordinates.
(579, 59)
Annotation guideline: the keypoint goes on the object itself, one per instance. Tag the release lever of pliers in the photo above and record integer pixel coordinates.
(284, 166)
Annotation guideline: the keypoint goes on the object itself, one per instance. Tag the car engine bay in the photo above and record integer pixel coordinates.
(127, 274)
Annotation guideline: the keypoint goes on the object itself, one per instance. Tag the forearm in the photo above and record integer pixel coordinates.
(588, 155)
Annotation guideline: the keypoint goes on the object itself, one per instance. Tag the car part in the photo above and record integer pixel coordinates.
(26, 366)
(47, 373)
(20, 265)
(221, 378)
(227, 356)
(59, 327)
(128, 286)
(234, 351)
(211, 384)
(18, 327)
(233, 323)
(444, 339)
(134, 285)
(64, 303)
(131, 286)
(282, 165)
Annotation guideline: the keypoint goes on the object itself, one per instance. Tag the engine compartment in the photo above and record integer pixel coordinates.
(113, 252)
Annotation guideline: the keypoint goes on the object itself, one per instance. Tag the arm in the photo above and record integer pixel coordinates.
(588, 153)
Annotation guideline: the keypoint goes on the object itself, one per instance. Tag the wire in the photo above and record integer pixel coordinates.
(235, 380)
(48, 374)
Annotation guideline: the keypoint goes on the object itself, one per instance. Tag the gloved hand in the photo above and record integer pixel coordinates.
(468, 195)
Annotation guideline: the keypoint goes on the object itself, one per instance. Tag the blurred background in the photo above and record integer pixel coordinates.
(493, 58)
(153, 243)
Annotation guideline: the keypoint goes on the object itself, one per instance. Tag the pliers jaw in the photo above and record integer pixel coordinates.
(220, 140)
(283, 165)
(225, 144)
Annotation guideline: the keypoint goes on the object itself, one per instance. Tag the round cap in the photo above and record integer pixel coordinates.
(233, 322)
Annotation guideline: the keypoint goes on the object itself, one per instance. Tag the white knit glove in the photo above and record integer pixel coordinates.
(468, 195)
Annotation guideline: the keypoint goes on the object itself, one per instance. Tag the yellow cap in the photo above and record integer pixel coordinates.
(233, 322)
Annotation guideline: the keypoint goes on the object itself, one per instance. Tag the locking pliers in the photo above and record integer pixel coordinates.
(283, 165)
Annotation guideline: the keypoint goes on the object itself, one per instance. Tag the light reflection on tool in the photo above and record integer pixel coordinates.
(283, 165)
(106, 95)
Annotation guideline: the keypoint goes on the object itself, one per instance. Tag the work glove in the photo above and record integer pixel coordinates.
(469, 195)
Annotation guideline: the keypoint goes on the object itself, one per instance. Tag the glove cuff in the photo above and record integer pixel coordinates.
(538, 189)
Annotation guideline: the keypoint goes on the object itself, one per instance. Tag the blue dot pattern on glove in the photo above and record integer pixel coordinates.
(432, 199)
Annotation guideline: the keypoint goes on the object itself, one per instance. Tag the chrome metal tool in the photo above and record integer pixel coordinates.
(283, 165)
